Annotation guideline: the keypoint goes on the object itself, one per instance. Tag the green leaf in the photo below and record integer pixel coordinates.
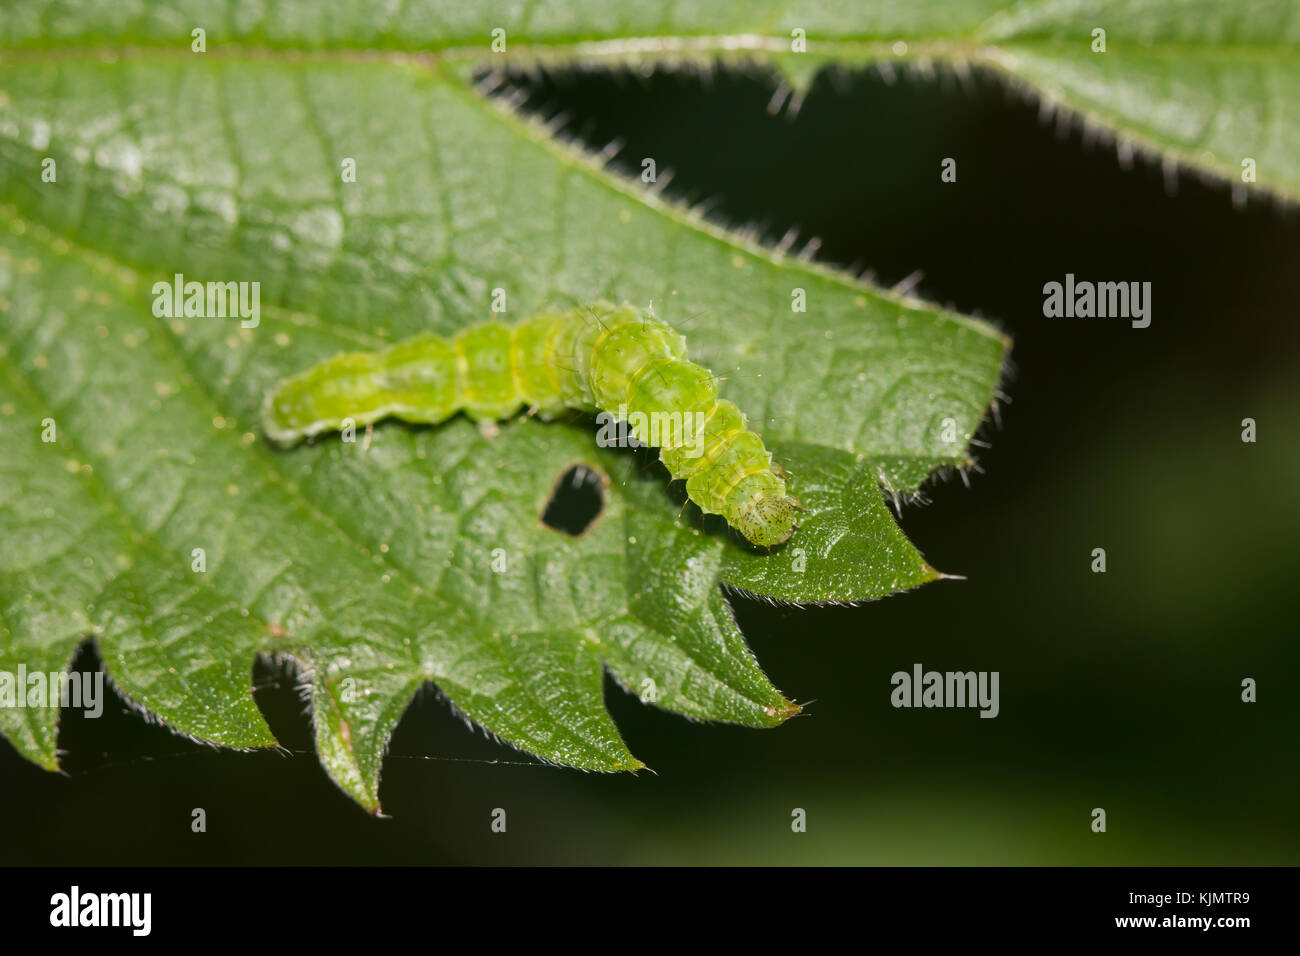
(1204, 83)
(849, 549)
(159, 520)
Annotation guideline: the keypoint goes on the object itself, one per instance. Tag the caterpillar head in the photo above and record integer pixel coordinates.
(768, 519)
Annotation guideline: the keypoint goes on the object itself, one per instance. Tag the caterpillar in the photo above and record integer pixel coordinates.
(599, 357)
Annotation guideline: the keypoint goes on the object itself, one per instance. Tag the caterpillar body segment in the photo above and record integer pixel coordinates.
(615, 359)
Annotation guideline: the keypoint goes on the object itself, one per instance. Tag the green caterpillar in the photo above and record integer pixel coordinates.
(615, 359)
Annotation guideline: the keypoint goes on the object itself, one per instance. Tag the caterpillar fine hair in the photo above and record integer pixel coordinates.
(598, 357)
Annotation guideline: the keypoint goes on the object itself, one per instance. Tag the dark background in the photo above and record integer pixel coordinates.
(1118, 690)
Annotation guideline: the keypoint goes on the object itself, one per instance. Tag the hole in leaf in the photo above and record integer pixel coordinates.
(576, 501)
